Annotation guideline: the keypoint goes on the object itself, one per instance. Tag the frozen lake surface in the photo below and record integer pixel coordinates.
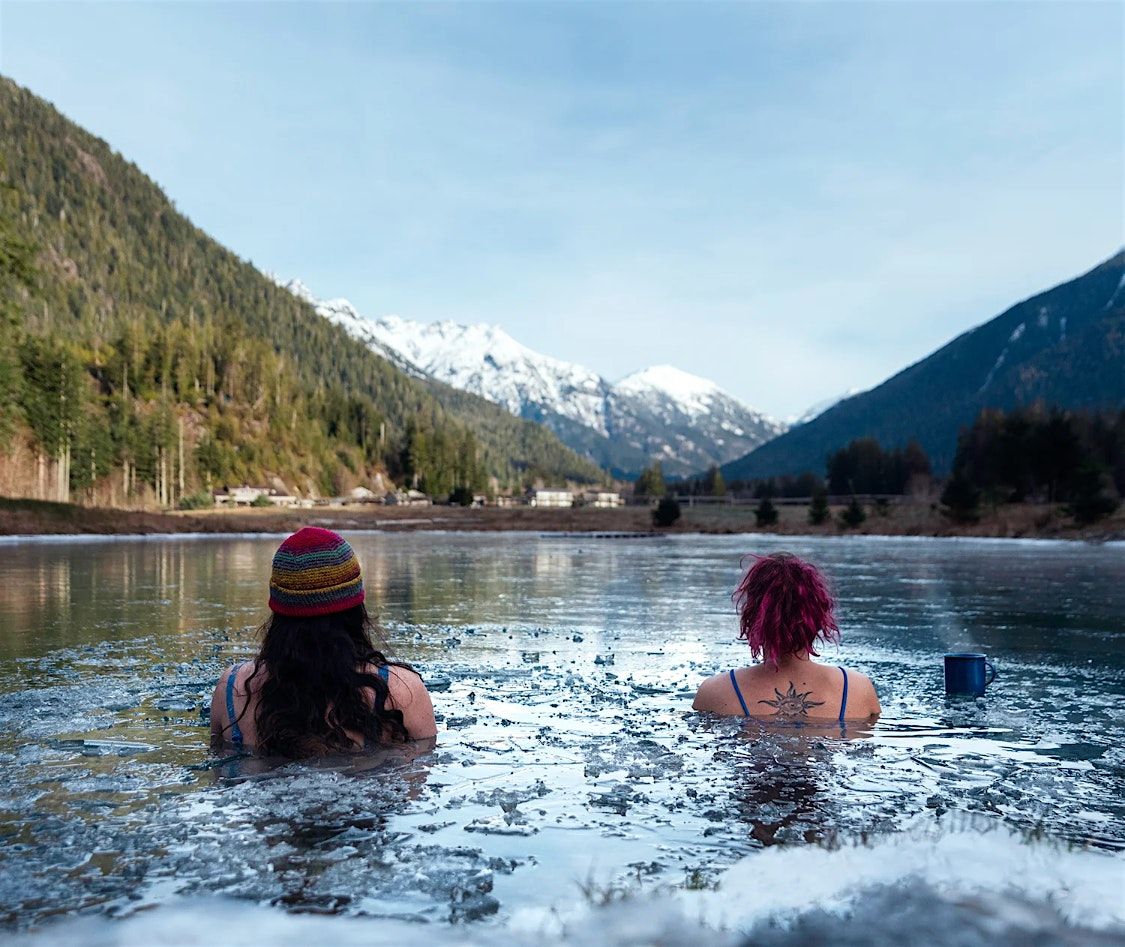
(573, 795)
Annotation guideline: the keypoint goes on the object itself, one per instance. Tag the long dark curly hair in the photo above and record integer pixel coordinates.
(315, 675)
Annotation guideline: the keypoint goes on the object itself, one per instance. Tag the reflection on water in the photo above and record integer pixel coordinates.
(563, 671)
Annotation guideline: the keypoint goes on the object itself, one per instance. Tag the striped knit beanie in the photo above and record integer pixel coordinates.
(315, 572)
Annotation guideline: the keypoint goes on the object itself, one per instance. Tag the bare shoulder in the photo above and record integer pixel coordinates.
(408, 694)
(862, 689)
(405, 684)
(223, 681)
(712, 693)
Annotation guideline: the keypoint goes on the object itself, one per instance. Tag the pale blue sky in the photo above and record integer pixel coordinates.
(790, 198)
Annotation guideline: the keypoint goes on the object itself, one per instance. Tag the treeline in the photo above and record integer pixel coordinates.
(1036, 454)
(123, 325)
(1040, 454)
(862, 467)
(788, 486)
(865, 467)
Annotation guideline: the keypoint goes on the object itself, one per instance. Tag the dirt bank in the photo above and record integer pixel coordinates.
(31, 517)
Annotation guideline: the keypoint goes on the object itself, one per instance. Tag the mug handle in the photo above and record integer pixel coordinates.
(988, 664)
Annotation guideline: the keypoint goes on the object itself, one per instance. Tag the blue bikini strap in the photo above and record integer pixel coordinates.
(235, 732)
(738, 693)
(844, 699)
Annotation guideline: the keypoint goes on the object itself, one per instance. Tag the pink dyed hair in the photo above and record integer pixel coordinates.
(784, 606)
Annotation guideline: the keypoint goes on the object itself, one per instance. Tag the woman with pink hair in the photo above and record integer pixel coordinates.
(785, 608)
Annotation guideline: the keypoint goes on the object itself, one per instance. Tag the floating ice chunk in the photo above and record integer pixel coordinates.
(499, 825)
(104, 747)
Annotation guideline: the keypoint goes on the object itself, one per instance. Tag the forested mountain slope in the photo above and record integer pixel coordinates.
(134, 349)
(1064, 347)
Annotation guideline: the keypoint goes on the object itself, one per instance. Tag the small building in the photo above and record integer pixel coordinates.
(407, 498)
(239, 496)
(246, 495)
(551, 498)
(604, 498)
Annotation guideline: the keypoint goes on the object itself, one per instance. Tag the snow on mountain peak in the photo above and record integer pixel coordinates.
(485, 360)
(660, 411)
(692, 393)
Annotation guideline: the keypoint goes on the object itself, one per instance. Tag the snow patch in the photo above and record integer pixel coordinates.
(992, 371)
(1116, 292)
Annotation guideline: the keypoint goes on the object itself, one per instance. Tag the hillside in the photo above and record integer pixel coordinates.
(1065, 347)
(136, 346)
(659, 413)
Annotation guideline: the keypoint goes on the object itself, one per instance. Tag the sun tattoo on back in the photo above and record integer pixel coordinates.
(792, 704)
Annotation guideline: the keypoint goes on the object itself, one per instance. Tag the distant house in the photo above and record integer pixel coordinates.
(603, 498)
(407, 498)
(246, 495)
(554, 498)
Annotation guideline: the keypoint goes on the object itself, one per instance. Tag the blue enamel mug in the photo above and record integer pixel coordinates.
(965, 673)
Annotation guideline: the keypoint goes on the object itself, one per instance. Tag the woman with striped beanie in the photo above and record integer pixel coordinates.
(318, 684)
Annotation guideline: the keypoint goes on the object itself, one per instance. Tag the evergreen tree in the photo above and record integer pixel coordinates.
(666, 512)
(853, 515)
(713, 483)
(961, 499)
(53, 396)
(461, 496)
(1091, 499)
(651, 482)
(818, 508)
(17, 271)
(765, 514)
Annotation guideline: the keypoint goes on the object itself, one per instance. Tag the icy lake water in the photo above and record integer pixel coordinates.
(573, 795)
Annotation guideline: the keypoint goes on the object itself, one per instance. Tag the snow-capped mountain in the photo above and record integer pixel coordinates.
(486, 361)
(681, 418)
(686, 422)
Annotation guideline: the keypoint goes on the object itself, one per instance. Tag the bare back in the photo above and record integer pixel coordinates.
(234, 704)
(798, 690)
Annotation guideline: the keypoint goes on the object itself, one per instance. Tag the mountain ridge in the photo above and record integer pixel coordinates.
(657, 413)
(1063, 346)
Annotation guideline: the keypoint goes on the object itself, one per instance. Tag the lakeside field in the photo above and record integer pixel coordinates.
(1043, 521)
